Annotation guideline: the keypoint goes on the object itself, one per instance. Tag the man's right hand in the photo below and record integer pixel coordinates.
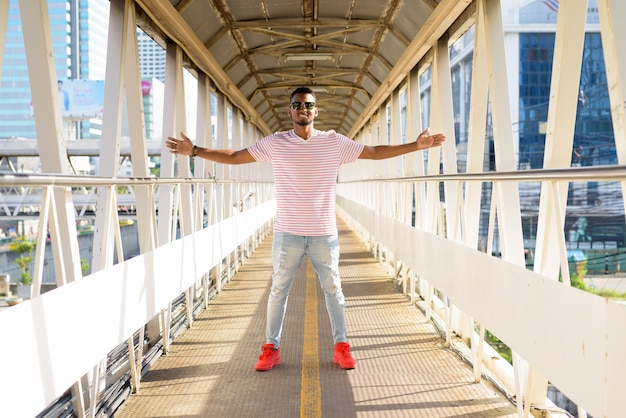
(182, 146)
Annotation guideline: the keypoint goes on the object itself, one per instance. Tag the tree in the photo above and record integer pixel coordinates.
(25, 247)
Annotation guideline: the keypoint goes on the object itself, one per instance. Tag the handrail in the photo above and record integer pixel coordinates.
(595, 173)
(606, 173)
(135, 294)
(438, 231)
(41, 180)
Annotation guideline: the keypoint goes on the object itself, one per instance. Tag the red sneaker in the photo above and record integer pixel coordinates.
(270, 357)
(342, 356)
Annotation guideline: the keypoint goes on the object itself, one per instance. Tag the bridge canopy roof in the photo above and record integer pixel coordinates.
(257, 51)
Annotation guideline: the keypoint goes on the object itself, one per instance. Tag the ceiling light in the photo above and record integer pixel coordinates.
(310, 56)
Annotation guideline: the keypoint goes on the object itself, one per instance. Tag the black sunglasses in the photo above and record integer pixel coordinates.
(298, 105)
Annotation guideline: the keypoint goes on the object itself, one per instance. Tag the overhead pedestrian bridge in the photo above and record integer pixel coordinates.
(446, 317)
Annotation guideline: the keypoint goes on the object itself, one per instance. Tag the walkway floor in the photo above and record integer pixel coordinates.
(403, 368)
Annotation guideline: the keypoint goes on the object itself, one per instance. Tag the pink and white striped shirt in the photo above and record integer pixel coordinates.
(305, 176)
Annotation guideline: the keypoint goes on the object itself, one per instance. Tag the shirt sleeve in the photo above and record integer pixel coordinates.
(349, 150)
(262, 150)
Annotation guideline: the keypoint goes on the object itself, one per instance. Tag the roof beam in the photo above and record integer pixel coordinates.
(444, 15)
(174, 26)
(298, 23)
(225, 16)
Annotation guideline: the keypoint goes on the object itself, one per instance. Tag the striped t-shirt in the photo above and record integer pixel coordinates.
(305, 177)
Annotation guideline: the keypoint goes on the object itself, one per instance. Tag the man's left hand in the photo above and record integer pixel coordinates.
(425, 140)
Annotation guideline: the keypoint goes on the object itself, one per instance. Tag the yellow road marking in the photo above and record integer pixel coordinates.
(311, 394)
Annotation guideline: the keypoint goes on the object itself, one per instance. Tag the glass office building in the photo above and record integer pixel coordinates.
(15, 98)
(151, 57)
(530, 33)
(594, 143)
(531, 28)
(79, 35)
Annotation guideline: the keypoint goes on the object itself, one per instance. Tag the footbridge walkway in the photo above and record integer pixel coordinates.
(404, 367)
(450, 230)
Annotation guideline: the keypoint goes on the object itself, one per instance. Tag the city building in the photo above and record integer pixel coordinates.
(151, 57)
(593, 220)
(79, 38)
(530, 29)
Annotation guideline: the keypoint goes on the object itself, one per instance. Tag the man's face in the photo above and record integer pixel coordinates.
(302, 116)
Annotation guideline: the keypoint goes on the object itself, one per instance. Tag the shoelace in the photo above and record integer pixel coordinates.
(266, 353)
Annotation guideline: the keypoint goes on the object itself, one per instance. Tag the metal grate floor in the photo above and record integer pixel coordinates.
(403, 368)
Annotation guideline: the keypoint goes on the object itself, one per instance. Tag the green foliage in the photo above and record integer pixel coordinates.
(22, 245)
(577, 281)
(499, 346)
(25, 247)
(609, 294)
(84, 265)
(577, 278)
(25, 277)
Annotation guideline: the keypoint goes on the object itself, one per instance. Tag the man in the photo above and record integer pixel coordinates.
(306, 162)
(63, 97)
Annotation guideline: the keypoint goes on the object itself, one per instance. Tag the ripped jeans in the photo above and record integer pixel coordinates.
(287, 253)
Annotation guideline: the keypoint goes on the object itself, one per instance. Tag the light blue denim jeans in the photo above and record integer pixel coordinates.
(287, 253)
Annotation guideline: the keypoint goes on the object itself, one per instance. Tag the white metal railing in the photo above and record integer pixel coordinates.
(574, 339)
(538, 317)
(60, 339)
(548, 324)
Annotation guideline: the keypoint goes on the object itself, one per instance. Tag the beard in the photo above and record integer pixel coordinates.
(305, 122)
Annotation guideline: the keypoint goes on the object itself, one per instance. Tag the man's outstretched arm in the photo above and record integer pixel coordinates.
(184, 146)
(381, 152)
